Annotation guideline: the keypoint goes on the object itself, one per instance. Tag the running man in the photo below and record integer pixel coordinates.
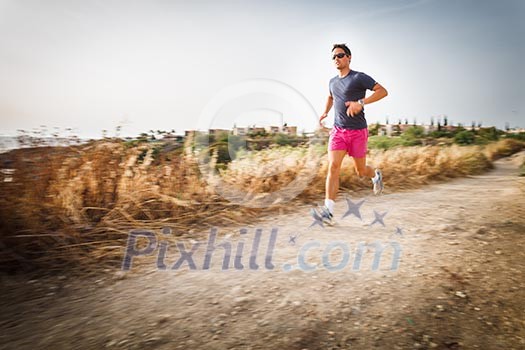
(350, 132)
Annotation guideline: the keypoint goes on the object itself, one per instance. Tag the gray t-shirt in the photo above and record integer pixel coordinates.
(351, 87)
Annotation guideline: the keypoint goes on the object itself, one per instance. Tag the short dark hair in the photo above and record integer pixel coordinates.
(342, 46)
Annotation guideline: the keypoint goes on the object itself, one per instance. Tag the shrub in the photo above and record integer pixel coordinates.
(464, 137)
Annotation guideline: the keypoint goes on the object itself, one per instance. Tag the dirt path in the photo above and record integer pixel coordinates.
(459, 283)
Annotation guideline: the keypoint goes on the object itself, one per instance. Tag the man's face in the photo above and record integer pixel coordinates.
(340, 62)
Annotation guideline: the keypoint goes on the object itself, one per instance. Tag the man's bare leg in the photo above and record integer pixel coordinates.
(326, 212)
(362, 169)
(335, 159)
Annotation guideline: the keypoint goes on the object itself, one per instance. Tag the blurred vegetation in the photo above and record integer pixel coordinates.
(75, 205)
(227, 145)
(415, 135)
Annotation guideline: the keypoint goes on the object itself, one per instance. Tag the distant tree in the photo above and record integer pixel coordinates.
(414, 133)
(445, 121)
(261, 133)
(464, 137)
(490, 134)
(282, 139)
(494, 133)
(396, 130)
(374, 129)
(152, 134)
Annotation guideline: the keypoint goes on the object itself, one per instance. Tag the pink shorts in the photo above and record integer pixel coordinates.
(354, 142)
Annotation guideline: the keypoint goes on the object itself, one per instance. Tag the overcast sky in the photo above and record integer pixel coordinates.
(94, 65)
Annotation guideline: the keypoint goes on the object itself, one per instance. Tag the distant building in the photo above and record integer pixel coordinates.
(273, 129)
(396, 129)
(256, 130)
(391, 129)
(516, 130)
(240, 131)
(450, 128)
(383, 130)
(216, 132)
(172, 137)
(388, 130)
(290, 130)
(429, 128)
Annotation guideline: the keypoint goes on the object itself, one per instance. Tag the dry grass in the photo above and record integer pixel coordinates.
(503, 148)
(75, 206)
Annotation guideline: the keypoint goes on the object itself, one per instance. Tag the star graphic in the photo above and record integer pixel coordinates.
(292, 239)
(318, 220)
(378, 218)
(353, 208)
(399, 231)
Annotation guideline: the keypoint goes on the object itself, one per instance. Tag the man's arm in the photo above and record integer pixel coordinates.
(329, 104)
(355, 107)
(379, 93)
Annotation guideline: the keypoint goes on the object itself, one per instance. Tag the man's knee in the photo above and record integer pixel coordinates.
(334, 168)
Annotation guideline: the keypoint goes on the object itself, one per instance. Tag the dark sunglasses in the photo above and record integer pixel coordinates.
(338, 55)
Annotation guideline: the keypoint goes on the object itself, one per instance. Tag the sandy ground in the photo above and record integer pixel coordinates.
(458, 284)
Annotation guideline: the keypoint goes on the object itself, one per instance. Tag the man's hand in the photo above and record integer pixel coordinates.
(323, 116)
(353, 108)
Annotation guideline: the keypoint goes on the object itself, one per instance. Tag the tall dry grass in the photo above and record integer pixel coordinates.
(503, 148)
(75, 206)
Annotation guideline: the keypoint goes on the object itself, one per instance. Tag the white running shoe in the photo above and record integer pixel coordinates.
(327, 216)
(378, 183)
